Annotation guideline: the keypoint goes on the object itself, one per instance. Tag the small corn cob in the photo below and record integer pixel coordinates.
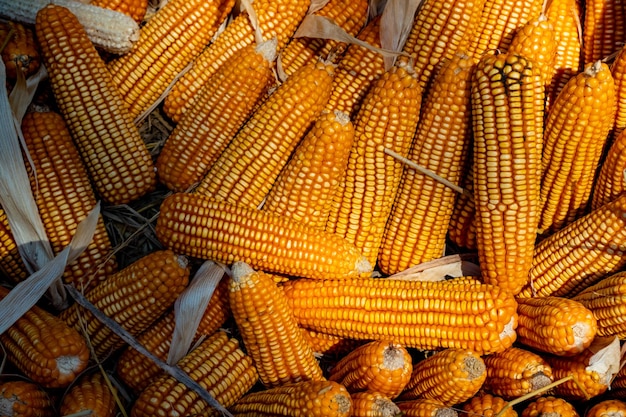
(611, 183)
(607, 408)
(91, 393)
(580, 254)
(487, 405)
(307, 398)
(515, 372)
(21, 50)
(224, 103)
(269, 331)
(424, 315)
(134, 297)
(64, 197)
(329, 345)
(276, 18)
(556, 325)
(425, 408)
(575, 135)
(416, 229)
(592, 381)
(25, 399)
(373, 404)
(11, 264)
(380, 366)
(462, 229)
(218, 365)
(112, 150)
(549, 406)
(246, 170)
(618, 71)
(451, 376)
(604, 29)
(44, 348)
(507, 116)
(205, 228)
(304, 189)
(133, 8)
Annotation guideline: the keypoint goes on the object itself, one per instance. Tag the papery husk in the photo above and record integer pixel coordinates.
(317, 5)
(441, 269)
(395, 25)
(606, 358)
(376, 7)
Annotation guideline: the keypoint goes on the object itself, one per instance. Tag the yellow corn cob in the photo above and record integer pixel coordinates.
(224, 103)
(604, 29)
(607, 408)
(516, 372)
(204, 228)
(134, 297)
(276, 18)
(462, 229)
(592, 381)
(133, 8)
(618, 71)
(580, 254)
(246, 170)
(451, 376)
(90, 393)
(112, 150)
(64, 197)
(610, 183)
(381, 366)
(487, 405)
(425, 408)
(373, 404)
(549, 406)
(576, 131)
(304, 189)
(329, 345)
(21, 49)
(417, 225)
(218, 365)
(307, 398)
(25, 399)
(269, 330)
(364, 199)
(507, 116)
(44, 348)
(424, 315)
(11, 264)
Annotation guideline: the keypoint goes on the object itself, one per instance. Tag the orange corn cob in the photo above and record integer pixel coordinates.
(25, 399)
(618, 71)
(373, 404)
(304, 189)
(609, 184)
(462, 229)
(112, 150)
(416, 229)
(507, 116)
(246, 170)
(90, 393)
(487, 405)
(205, 228)
(134, 8)
(593, 382)
(549, 406)
(604, 29)
(21, 49)
(134, 297)
(380, 366)
(307, 398)
(423, 315)
(607, 408)
(425, 408)
(44, 348)
(11, 264)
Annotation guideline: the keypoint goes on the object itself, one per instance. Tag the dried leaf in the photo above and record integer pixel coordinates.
(606, 358)
(395, 26)
(451, 266)
(376, 7)
(317, 5)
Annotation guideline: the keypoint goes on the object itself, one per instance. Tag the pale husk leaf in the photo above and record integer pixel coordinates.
(395, 25)
(446, 267)
(376, 7)
(317, 5)
(606, 358)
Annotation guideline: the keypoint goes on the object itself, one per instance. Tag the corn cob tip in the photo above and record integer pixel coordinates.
(268, 49)
(239, 270)
(343, 118)
(363, 266)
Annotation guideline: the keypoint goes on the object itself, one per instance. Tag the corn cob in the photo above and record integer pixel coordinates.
(451, 376)
(609, 184)
(304, 189)
(607, 408)
(373, 404)
(604, 29)
(134, 297)
(462, 229)
(269, 330)
(423, 315)
(276, 18)
(515, 372)
(580, 254)
(204, 228)
(11, 264)
(24, 399)
(44, 348)
(307, 398)
(487, 405)
(224, 103)
(575, 135)
(593, 382)
(218, 365)
(329, 345)
(112, 150)
(618, 71)
(21, 50)
(425, 408)
(549, 406)
(507, 116)
(91, 393)
(416, 229)
(618, 384)
(133, 8)
(64, 197)
(380, 366)
(246, 170)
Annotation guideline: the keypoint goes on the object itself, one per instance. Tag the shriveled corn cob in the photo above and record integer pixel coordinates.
(44, 348)
(487, 405)
(373, 404)
(416, 229)
(25, 399)
(516, 372)
(112, 150)
(305, 187)
(21, 50)
(134, 297)
(329, 345)
(218, 365)
(425, 408)
(610, 182)
(245, 171)
(380, 366)
(223, 105)
(575, 135)
(507, 118)
(424, 315)
(269, 330)
(133, 8)
(549, 406)
(607, 408)
(90, 393)
(451, 376)
(604, 29)
(307, 398)
(11, 263)
(593, 381)
(205, 228)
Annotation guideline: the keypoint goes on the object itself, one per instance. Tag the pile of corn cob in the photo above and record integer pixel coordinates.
(317, 176)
